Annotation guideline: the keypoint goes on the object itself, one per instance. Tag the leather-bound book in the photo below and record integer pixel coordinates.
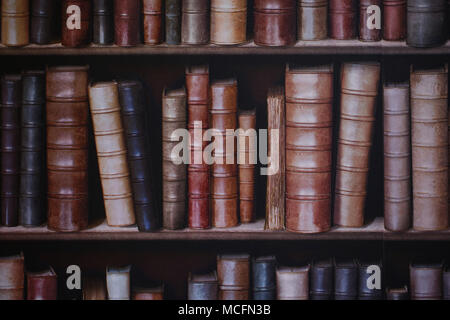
(394, 20)
(12, 277)
(321, 286)
(102, 22)
(15, 22)
(274, 22)
(359, 90)
(131, 95)
(366, 285)
(195, 22)
(203, 286)
(264, 278)
(198, 99)
(293, 283)
(397, 293)
(42, 21)
(309, 114)
(247, 157)
(76, 23)
(312, 19)
(173, 21)
(94, 288)
(11, 87)
(151, 293)
(42, 285)
(275, 194)
(397, 157)
(67, 147)
(345, 279)
(429, 138)
(31, 206)
(127, 23)
(173, 174)
(152, 11)
(446, 283)
(224, 184)
(233, 272)
(118, 282)
(111, 153)
(426, 23)
(343, 19)
(425, 281)
(366, 33)
(228, 22)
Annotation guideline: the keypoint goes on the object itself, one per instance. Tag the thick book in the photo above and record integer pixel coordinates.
(173, 21)
(111, 153)
(345, 279)
(425, 281)
(67, 113)
(233, 273)
(174, 173)
(309, 133)
(118, 283)
(76, 23)
(152, 21)
(11, 88)
(42, 285)
(368, 288)
(102, 22)
(203, 286)
(94, 287)
(43, 20)
(359, 90)
(15, 22)
(32, 174)
(264, 277)
(12, 277)
(343, 19)
(397, 157)
(429, 138)
(394, 20)
(127, 22)
(228, 22)
(131, 95)
(195, 22)
(366, 20)
(312, 20)
(321, 279)
(293, 283)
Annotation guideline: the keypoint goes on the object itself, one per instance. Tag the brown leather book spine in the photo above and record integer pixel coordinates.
(42, 285)
(233, 273)
(12, 277)
(397, 158)
(155, 293)
(67, 148)
(174, 175)
(429, 137)
(111, 153)
(76, 23)
(228, 22)
(426, 281)
(247, 158)
(343, 19)
(293, 283)
(312, 19)
(195, 22)
(394, 20)
(15, 22)
(224, 189)
(366, 20)
(275, 195)
(152, 11)
(94, 287)
(127, 22)
(309, 114)
(198, 98)
(359, 89)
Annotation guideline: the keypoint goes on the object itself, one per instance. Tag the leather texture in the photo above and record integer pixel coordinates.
(233, 272)
(131, 95)
(174, 176)
(397, 157)
(67, 147)
(247, 155)
(345, 279)
(127, 22)
(343, 19)
(365, 292)
(153, 293)
(31, 206)
(111, 153)
(429, 131)
(394, 20)
(94, 287)
(366, 34)
(293, 283)
(228, 22)
(225, 294)
(425, 281)
(397, 293)
(195, 22)
(11, 87)
(198, 99)
(274, 22)
(426, 23)
(224, 184)
(264, 276)
(309, 105)
(321, 286)
(312, 19)
(42, 285)
(265, 295)
(152, 12)
(102, 22)
(12, 277)
(15, 22)
(43, 20)
(173, 21)
(359, 90)
(118, 282)
(203, 286)
(74, 37)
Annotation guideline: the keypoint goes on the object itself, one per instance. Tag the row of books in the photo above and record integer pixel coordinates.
(222, 22)
(241, 277)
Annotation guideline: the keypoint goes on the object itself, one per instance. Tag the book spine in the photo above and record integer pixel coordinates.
(228, 22)
(71, 34)
(343, 19)
(12, 277)
(394, 20)
(173, 21)
(102, 22)
(195, 22)
(15, 23)
(127, 22)
(42, 21)
(152, 11)
(312, 20)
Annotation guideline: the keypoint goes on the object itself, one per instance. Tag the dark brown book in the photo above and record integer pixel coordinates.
(43, 20)
(312, 20)
(233, 273)
(195, 22)
(127, 22)
(426, 281)
(153, 29)
(76, 23)
(42, 285)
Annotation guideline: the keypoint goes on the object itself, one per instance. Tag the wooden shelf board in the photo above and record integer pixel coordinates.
(328, 47)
